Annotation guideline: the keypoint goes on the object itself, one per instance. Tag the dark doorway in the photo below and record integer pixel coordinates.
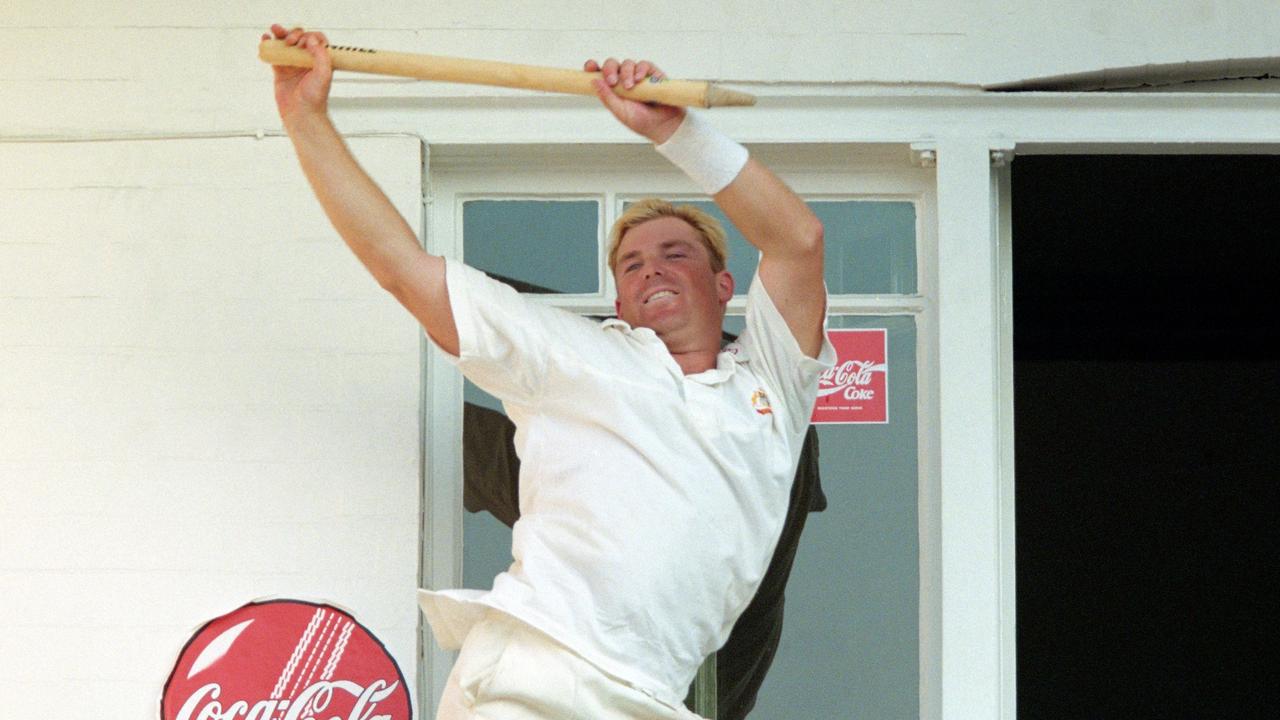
(1147, 416)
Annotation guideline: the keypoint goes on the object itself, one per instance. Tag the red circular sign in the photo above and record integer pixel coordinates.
(285, 660)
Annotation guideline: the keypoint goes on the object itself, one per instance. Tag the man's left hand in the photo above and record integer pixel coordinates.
(655, 122)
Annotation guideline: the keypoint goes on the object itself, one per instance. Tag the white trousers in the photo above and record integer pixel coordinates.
(510, 671)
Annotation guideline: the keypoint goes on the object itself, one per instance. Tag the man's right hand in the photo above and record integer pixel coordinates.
(361, 213)
(652, 121)
(302, 92)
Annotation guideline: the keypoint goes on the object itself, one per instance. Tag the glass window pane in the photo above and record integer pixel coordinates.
(851, 635)
(552, 245)
(870, 246)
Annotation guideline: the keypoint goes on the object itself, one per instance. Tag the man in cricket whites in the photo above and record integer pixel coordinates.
(655, 464)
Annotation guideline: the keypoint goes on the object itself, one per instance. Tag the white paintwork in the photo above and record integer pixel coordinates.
(1007, 603)
(203, 400)
(968, 429)
(72, 66)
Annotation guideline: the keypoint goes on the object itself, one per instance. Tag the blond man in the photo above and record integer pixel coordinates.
(656, 465)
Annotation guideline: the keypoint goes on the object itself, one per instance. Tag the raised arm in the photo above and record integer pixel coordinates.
(359, 210)
(771, 217)
(789, 237)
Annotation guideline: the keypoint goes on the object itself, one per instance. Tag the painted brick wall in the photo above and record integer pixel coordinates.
(204, 400)
(152, 65)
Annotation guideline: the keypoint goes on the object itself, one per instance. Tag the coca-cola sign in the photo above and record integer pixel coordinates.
(856, 389)
(285, 660)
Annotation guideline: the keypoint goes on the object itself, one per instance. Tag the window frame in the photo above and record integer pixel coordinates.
(627, 172)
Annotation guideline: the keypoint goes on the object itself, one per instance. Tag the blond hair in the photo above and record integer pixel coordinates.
(708, 228)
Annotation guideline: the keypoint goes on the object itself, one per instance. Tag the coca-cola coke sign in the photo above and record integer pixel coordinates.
(856, 389)
(285, 660)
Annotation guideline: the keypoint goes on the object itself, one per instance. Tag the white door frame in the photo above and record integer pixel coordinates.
(968, 623)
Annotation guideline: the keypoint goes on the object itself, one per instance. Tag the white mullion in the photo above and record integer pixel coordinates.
(442, 459)
(928, 503)
(1002, 196)
(836, 304)
(968, 424)
(737, 306)
(870, 304)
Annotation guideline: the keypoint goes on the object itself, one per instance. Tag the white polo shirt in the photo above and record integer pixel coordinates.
(650, 500)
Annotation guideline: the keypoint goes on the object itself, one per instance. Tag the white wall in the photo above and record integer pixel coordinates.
(204, 400)
(147, 65)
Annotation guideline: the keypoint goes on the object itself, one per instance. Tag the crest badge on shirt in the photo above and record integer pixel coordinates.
(856, 389)
(760, 402)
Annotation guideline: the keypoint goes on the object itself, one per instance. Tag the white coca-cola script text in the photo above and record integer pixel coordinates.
(310, 704)
(850, 378)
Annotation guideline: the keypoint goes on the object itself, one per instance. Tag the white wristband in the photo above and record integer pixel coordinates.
(706, 155)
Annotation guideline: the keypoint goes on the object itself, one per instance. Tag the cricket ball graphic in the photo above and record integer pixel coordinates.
(285, 660)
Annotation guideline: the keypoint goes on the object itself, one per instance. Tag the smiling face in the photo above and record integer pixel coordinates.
(666, 283)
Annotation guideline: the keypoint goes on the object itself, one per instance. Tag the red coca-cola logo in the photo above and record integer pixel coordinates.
(285, 660)
(856, 388)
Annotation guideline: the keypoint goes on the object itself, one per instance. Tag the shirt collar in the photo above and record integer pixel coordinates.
(726, 366)
(727, 360)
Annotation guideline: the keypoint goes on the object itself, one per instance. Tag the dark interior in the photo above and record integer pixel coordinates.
(1147, 383)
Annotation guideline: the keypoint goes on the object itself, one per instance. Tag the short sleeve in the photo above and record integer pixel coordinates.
(775, 354)
(505, 341)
